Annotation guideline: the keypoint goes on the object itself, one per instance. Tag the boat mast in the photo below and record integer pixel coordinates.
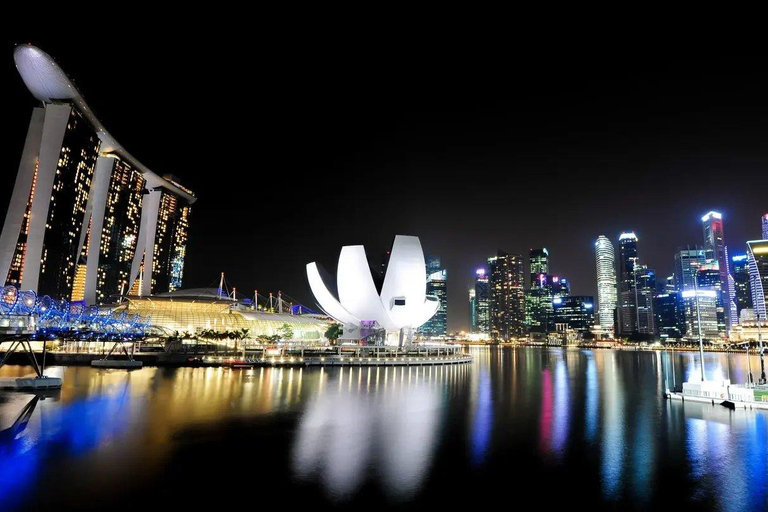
(698, 316)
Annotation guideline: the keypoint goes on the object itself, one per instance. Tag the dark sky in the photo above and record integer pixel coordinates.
(300, 145)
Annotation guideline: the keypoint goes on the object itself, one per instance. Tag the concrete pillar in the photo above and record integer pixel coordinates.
(145, 245)
(18, 204)
(94, 211)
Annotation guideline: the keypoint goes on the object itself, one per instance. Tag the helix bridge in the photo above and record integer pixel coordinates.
(25, 314)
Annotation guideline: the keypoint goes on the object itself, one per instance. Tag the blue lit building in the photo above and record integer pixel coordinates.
(742, 288)
(670, 316)
(437, 285)
(576, 311)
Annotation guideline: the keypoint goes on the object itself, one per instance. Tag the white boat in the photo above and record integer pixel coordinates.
(717, 392)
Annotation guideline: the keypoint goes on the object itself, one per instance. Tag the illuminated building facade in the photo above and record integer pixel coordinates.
(709, 278)
(482, 301)
(507, 307)
(646, 290)
(627, 307)
(605, 260)
(758, 274)
(687, 264)
(765, 226)
(714, 243)
(669, 311)
(576, 311)
(742, 287)
(539, 266)
(701, 304)
(437, 283)
(472, 311)
(83, 210)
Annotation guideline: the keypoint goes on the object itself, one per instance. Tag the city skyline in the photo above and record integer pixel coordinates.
(443, 141)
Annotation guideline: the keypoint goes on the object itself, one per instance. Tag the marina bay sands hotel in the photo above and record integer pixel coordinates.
(86, 220)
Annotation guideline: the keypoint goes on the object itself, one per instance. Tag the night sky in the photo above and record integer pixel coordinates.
(299, 146)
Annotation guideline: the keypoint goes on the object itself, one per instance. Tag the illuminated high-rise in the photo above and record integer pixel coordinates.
(742, 287)
(627, 307)
(539, 266)
(482, 301)
(605, 259)
(538, 298)
(646, 290)
(714, 243)
(472, 311)
(507, 282)
(758, 274)
(687, 262)
(765, 226)
(437, 285)
(83, 212)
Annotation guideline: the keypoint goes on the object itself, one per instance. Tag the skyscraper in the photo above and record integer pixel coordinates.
(627, 309)
(83, 211)
(605, 259)
(687, 262)
(472, 310)
(742, 287)
(714, 242)
(646, 290)
(437, 285)
(507, 282)
(576, 311)
(539, 265)
(765, 226)
(669, 311)
(758, 275)
(482, 301)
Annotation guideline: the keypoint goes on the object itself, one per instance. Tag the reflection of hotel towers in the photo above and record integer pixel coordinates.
(84, 215)
(606, 281)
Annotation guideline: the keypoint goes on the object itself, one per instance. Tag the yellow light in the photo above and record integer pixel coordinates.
(760, 250)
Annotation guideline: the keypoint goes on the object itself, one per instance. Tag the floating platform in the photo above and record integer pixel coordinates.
(30, 383)
(116, 363)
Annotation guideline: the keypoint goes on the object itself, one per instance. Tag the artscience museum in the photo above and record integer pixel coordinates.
(385, 314)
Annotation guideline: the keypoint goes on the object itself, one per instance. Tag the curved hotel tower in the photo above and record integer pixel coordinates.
(757, 255)
(86, 220)
(606, 281)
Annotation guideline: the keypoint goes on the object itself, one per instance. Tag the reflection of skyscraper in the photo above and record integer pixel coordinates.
(714, 242)
(507, 311)
(758, 275)
(741, 285)
(83, 209)
(627, 310)
(437, 278)
(606, 281)
(482, 300)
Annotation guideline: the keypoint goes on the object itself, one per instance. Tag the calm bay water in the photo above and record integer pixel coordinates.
(561, 427)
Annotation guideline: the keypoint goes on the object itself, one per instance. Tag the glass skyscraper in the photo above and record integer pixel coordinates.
(482, 301)
(539, 265)
(646, 290)
(437, 282)
(507, 282)
(627, 308)
(742, 287)
(687, 262)
(605, 259)
(576, 311)
(670, 316)
(765, 226)
(714, 242)
(758, 275)
(472, 311)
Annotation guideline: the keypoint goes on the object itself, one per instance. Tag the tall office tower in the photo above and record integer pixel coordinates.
(646, 290)
(576, 311)
(83, 211)
(538, 308)
(437, 281)
(758, 275)
(742, 287)
(700, 304)
(539, 265)
(627, 307)
(507, 281)
(669, 312)
(709, 279)
(765, 226)
(472, 310)
(605, 259)
(714, 242)
(482, 301)
(669, 285)
(687, 262)
(560, 286)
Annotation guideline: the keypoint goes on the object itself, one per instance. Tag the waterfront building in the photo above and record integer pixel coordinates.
(714, 243)
(507, 306)
(202, 309)
(482, 301)
(646, 290)
(742, 288)
(605, 258)
(758, 273)
(709, 278)
(437, 286)
(669, 311)
(391, 314)
(85, 217)
(627, 307)
(538, 308)
(472, 310)
(577, 312)
(701, 304)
